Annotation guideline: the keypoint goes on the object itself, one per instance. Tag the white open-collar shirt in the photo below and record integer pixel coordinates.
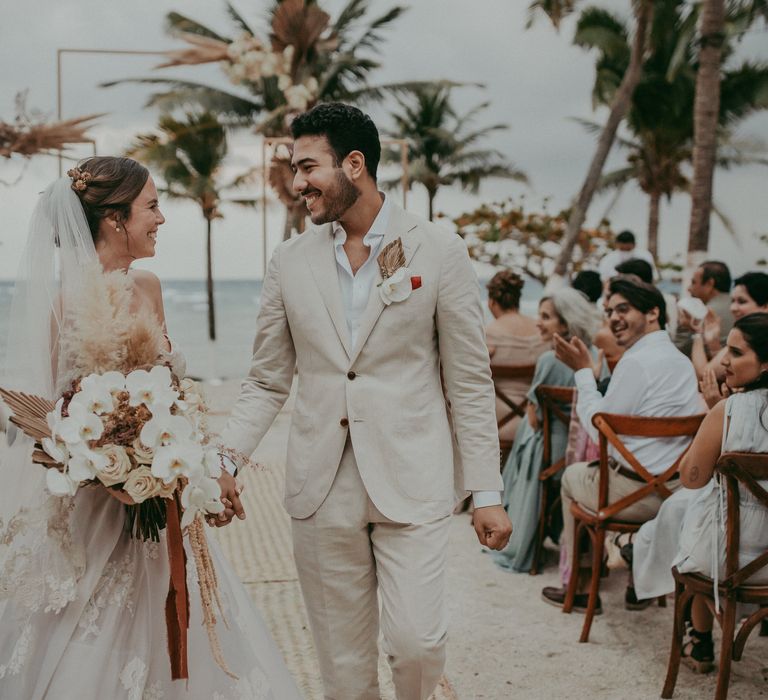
(356, 289)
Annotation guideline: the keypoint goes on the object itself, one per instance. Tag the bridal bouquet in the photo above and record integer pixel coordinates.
(140, 436)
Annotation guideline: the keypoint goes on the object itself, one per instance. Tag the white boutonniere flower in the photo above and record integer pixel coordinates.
(397, 287)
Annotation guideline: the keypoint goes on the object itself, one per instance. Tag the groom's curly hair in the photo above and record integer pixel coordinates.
(346, 128)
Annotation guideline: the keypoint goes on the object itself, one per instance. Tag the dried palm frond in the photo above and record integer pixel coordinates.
(28, 139)
(29, 412)
(391, 258)
(203, 49)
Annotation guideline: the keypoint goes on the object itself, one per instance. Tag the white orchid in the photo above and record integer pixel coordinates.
(85, 464)
(151, 388)
(179, 460)
(94, 396)
(165, 429)
(397, 287)
(54, 418)
(80, 426)
(56, 449)
(203, 496)
(60, 484)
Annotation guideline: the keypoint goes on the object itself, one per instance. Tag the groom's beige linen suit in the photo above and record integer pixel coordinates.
(379, 445)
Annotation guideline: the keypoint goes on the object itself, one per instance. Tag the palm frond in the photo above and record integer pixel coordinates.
(176, 22)
(237, 18)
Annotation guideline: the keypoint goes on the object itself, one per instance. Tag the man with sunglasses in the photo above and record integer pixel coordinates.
(653, 378)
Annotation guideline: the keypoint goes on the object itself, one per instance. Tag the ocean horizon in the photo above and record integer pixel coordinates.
(236, 305)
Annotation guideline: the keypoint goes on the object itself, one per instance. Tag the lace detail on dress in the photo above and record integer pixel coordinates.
(132, 677)
(114, 588)
(20, 653)
(39, 540)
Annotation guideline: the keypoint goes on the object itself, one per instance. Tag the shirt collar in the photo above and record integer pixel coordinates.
(375, 233)
(653, 338)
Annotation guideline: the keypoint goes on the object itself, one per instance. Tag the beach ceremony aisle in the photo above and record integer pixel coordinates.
(504, 642)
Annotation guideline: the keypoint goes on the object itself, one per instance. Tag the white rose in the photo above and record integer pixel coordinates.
(141, 485)
(141, 453)
(397, 287)
(118, 467)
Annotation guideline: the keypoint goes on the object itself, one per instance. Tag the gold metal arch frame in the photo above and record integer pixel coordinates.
(275, 141)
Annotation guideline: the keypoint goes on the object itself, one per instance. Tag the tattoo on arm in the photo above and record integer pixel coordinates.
(693, 475)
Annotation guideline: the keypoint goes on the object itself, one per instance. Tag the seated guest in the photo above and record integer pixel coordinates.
(749, 296)
(711, 283)
(624, 248)
(513, 339)
(570, 315)
(588, 283)
(688, 531)
(652, 378)
(644, 270)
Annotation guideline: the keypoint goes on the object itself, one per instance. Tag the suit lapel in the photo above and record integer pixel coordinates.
(398, 226)
(322, 263)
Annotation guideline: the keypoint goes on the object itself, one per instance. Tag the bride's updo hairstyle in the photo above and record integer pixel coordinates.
(106, 186)
(505, 288)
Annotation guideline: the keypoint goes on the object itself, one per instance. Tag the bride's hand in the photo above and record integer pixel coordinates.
(230, 497)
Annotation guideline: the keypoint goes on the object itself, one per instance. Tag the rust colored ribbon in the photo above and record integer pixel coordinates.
(177, 602)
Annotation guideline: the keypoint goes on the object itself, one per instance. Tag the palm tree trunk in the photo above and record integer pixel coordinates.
(209, 283)
(705, 118)
(653, 224)
(431, 198)
(619, 107)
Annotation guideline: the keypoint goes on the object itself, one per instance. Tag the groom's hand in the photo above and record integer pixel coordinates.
(492, 526)
(230, 497)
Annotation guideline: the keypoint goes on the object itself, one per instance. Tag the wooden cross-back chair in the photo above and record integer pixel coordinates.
(552, 402)
(608, 515)
(521, 373)
(735, 468)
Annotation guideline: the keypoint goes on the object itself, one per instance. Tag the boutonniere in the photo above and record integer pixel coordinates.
(397, 283)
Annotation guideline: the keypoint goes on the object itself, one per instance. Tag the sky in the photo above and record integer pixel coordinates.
(535, 80)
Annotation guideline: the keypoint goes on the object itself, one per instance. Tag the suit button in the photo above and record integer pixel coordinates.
(351, 375)
(344, 422)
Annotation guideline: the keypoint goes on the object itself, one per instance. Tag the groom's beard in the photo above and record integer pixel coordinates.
(336, 200)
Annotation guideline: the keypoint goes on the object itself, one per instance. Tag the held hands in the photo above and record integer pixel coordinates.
(492, 526)
(230, 497)
(573, 353)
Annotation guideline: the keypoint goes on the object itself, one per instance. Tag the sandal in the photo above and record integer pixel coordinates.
(698, 651)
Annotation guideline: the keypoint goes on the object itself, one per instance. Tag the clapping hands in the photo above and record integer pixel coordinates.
(573, 353)
(711, 389)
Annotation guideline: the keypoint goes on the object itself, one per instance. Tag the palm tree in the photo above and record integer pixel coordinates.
(189, 155)
(643, 16)
(312, 58)
(441, 148)
(661, 115)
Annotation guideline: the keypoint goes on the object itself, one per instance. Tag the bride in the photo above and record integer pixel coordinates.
(82, 601)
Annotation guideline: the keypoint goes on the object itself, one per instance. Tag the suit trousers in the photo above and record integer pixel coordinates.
(580, 484)
(346, 553)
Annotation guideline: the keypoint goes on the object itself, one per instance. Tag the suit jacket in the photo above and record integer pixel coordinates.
(386, 392)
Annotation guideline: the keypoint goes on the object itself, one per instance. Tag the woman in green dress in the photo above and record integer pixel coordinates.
(568, 313)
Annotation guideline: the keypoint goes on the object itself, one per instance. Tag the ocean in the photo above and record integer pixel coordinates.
(237, 304)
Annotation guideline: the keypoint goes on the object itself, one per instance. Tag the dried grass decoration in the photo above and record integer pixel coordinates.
(126, 425)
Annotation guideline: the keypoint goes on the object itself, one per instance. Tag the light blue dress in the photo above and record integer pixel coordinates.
(522, 488)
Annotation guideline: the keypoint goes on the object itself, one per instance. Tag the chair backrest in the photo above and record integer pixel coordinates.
(610, 426)
(523, 373)
(745, 469)
(552, 401)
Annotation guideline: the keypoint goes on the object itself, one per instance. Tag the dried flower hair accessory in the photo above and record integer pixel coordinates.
(80, 178)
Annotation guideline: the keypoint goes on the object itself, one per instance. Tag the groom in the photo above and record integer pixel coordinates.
(394, 410)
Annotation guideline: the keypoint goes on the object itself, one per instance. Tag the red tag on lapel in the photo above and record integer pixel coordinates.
(415, 282)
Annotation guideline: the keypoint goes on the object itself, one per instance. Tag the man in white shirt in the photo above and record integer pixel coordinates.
(625, 249)
(372, 306)
(652, 378)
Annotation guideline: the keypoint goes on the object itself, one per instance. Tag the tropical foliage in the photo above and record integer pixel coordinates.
(505, 234)
(443, 147)
(661, 114)
(189, 155)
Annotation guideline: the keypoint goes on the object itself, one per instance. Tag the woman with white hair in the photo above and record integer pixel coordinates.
(567, 313)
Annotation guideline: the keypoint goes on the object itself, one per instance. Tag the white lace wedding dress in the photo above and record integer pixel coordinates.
(85, 619)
